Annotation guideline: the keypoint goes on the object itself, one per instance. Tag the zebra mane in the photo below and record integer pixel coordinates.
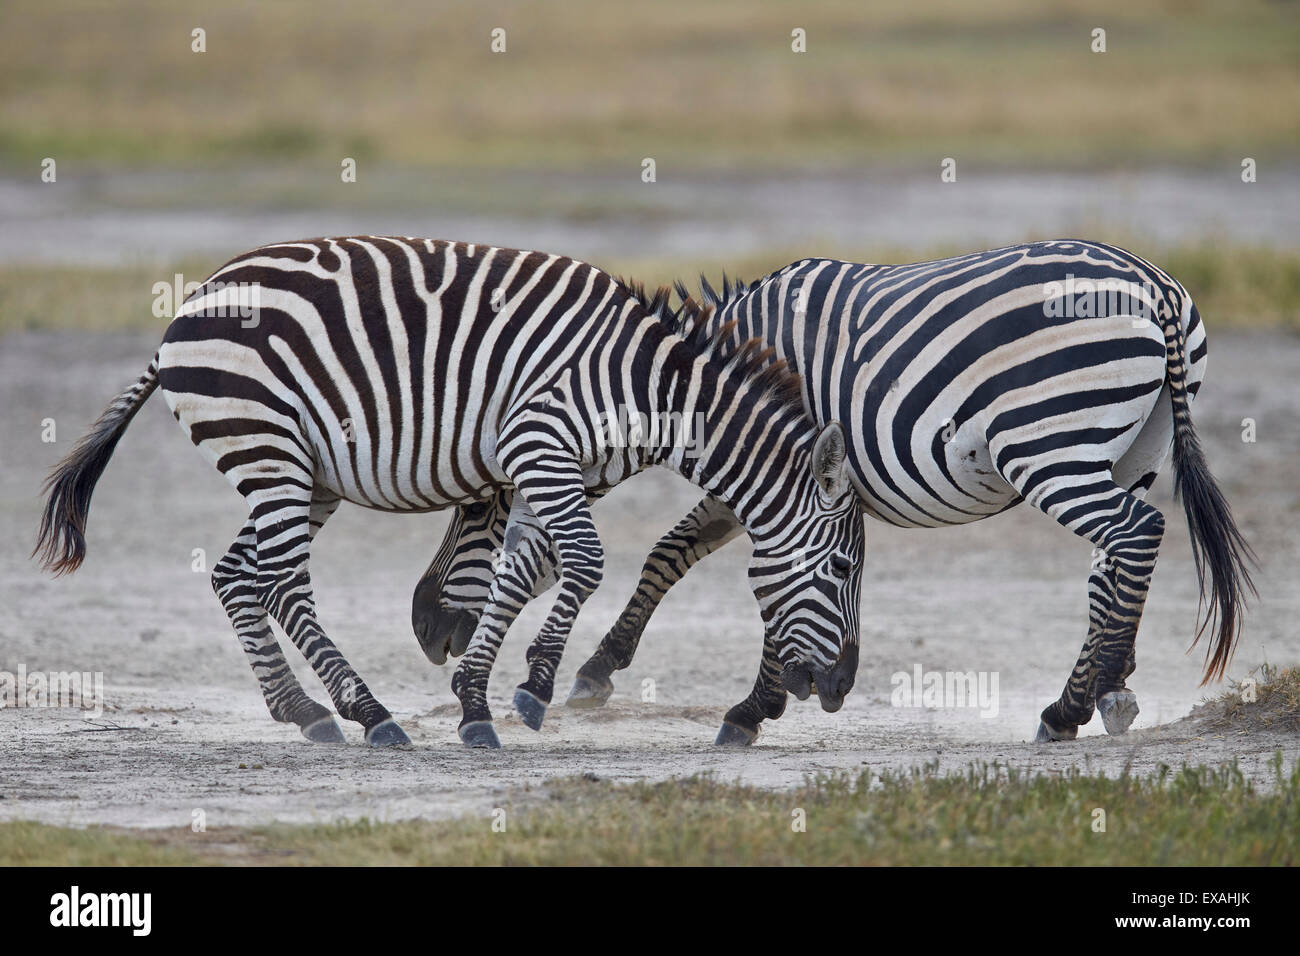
(656, 304)
(752, 359)
(731, 290)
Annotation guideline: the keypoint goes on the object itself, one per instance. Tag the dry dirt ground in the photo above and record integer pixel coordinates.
(183, 713)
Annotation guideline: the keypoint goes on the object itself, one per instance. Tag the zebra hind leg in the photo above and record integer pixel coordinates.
(740, 727)
(707, 528)
(234, 579)
(1077, 703)
(1127, 533)
(285, 525)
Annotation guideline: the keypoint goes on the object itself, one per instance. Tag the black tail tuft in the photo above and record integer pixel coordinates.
(1217, 545)
(61, 540)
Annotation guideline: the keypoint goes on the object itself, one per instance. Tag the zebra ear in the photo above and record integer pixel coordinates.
(828, 467)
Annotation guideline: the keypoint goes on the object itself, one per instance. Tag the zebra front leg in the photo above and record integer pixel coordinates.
(708, 526)
(511, 589)
(740, 727)
(234, 579)
(284, 531)
(551, 488)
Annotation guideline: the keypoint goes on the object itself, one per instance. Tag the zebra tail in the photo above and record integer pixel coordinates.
(61, 541)
(1217, 543)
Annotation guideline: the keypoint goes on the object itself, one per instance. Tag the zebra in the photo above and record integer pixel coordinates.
(1056, 372)
(412, 375)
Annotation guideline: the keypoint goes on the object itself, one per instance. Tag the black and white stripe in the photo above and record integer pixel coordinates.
(968, 385)
(414, 375)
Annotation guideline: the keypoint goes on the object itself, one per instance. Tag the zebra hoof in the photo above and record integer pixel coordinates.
(1117, 709)
(324, 731)
(386, 733)
(1047, 734)
(588, 693)
(530, 708)
(733, 735)
(480, 734)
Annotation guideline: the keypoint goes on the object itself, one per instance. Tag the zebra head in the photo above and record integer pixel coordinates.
(453, 591)
(806, 572)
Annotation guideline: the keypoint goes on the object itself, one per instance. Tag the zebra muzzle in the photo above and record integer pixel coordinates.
(797, 679)
(831, 686)
(826, 696)
(834, 685)
(443, 631)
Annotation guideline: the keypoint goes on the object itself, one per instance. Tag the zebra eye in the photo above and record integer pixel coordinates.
(476, 510)
(841, 566)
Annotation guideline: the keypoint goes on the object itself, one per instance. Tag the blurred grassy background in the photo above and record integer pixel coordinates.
(593, 81)
(1236, 286)
(439, 123)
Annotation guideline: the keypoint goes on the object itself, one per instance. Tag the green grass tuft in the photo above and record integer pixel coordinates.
(992, 814)
(24, 843)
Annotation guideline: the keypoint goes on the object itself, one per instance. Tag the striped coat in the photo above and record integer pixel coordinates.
(411, 375)
(1058, 373)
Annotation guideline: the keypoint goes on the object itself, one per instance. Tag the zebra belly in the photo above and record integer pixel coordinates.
(961, 486)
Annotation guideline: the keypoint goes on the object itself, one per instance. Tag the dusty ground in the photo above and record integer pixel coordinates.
(183, 712)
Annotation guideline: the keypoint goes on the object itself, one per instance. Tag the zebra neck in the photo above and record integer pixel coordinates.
(743, 442)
